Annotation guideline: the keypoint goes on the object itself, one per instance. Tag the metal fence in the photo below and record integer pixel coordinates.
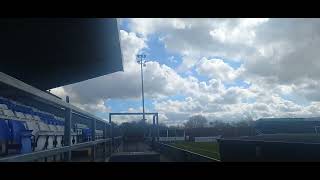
(66, 149)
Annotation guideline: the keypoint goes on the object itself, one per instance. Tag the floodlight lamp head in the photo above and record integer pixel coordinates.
(141, 56)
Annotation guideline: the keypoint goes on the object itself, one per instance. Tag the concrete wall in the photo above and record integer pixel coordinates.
(166, 139)
(240, 150)
(206, 139)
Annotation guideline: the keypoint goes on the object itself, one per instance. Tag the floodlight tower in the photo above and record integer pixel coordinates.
(141, 60)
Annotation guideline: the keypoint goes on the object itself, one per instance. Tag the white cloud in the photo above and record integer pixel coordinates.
(217, 68)
(278, 57)
(198, 38)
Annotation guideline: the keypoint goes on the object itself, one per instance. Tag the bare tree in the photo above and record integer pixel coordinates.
(197, 121)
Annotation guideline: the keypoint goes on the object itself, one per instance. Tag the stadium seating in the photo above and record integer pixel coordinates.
(99, 134)
(28, 129)
(86, 134)
(14, 127)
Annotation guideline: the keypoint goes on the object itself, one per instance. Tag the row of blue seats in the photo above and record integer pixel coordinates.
(14, 129)
(47, 118)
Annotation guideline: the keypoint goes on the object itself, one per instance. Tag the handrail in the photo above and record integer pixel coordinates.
(51, 152)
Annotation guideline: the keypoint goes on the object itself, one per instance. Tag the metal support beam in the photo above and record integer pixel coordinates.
(157, 126)
(93, 138)
(67, 132)
(105, 144)
(111, 133)
(111, 114)
(153, 129)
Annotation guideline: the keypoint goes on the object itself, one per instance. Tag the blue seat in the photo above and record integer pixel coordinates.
(42, 117)
(60, 123)
(23, 109)
(26, 146)
(86, 134)
(4, 131)
(49, 119)
(17, 128)
(6, 102)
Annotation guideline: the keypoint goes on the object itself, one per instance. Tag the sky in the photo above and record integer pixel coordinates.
(223, 69)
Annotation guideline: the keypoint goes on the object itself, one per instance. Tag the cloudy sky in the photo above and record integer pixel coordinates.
(224, 69)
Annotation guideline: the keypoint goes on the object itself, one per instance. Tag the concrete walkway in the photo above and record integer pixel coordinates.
(138, 147)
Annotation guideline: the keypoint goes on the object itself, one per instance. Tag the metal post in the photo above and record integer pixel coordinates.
(111, 134)
(153, 129)
(142, 93)
(140, 61)
(157, 127)
(175, 134)
(67, 132)
(93, 137)
(105, 144)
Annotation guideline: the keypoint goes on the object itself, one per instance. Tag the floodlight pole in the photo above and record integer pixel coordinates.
(140, 58)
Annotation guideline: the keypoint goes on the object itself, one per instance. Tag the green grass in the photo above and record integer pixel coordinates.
(210, 149)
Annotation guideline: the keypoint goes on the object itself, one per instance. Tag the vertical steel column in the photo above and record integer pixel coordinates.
(67, 132)
(93, 149)
(153, 129)
(157, 127)
(105, 143)
(175, 134)
(111, 134)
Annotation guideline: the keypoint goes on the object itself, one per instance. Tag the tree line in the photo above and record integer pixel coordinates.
(196, 126)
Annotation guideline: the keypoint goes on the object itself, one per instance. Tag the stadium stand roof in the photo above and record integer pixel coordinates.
(288, 119)
(53, 52)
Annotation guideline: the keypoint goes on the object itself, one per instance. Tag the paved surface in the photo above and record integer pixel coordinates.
(134, 147)
(138, 147)
(164, 159)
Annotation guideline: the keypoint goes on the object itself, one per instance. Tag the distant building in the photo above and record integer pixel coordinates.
(287, 125)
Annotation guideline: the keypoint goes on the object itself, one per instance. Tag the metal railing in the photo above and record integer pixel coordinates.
(56, 151)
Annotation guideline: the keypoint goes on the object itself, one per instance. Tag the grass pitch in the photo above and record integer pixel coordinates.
(210, 149)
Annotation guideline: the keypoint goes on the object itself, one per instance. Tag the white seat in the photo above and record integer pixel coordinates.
(29, 117)
(43, 126)
(32, 125)
(20, 115)
(59, 138)
(60, 128)
(99, 134)
(3, 106)
(36, 118)
(50, 142)
(8, 113)
(40, 143)
(52, 127)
